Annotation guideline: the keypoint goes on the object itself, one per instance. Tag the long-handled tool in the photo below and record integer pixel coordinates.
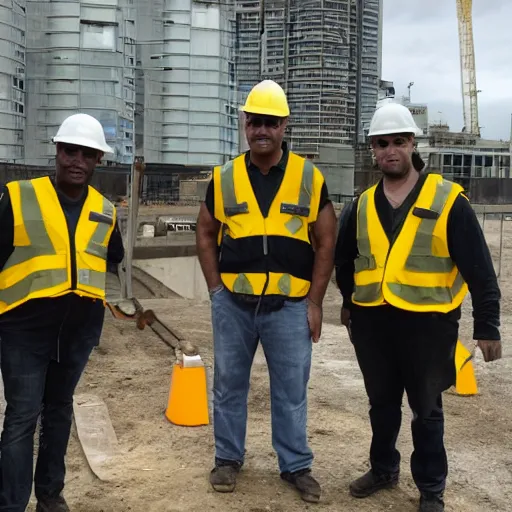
(132, 310)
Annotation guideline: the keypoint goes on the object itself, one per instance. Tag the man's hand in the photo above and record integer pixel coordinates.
(345, 320)
(491, 350)
(345, 317)
(315, 315)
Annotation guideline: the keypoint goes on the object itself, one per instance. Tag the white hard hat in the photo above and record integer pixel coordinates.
(393, 118)
(83, 130)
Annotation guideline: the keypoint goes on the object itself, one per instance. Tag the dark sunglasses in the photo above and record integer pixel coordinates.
(399, 142)
(88, 153)
(268, 122)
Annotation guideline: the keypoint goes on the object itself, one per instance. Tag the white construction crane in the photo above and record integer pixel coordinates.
(467, 65)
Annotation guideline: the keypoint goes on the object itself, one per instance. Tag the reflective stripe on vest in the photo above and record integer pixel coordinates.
(31, 211)
(366, 260)
(41, 279)
(420, 259)
(95, 246)
(227, 181)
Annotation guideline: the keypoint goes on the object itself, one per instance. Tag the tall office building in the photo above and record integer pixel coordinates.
(158, 74)
(80, 58)
(324, 53)
(186, 105)
(12, 80)
(370, 62)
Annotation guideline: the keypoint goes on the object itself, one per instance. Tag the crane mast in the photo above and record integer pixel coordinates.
(467, 65)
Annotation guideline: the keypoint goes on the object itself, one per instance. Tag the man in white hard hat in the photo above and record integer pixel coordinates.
(267, 283)
(407, 252)
(58, 237)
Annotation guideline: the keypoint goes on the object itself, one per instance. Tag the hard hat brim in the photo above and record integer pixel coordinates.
(86, 143)
(412, 131)
(266, 111)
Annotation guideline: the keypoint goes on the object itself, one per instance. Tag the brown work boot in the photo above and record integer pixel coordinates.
(304, 482)
(223, 477)
(370, 483)
(57, 504)
(431, 503)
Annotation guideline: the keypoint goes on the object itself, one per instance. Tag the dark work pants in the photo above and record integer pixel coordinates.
(401, 351)
(40, 371)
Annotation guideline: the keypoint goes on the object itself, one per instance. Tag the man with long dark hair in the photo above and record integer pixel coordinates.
(407, 252)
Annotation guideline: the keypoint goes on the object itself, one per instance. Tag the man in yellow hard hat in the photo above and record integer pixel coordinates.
(267, 283)
(58, 237)
(407, 251)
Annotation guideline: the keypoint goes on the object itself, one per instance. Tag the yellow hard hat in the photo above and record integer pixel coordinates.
(267, 98)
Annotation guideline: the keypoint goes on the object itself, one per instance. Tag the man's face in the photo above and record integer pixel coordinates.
(75, 164)
(264, 133)
(393, 154)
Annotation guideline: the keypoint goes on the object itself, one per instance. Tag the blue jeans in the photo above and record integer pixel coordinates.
(287, 345)
(40, 371)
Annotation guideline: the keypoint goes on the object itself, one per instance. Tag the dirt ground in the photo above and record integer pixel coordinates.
(164, 468)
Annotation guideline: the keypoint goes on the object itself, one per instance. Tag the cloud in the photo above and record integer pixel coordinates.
(421, 45)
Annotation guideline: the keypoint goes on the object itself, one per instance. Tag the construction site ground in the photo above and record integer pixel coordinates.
(164, 468)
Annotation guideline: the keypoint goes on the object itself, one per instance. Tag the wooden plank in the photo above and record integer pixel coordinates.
(96, 434)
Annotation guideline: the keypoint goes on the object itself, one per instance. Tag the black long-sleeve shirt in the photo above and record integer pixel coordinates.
(40, 313)
(466, 244)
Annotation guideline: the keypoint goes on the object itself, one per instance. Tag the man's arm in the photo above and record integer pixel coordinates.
(468, 249)
(115, 252)
(207, 230)
(324, 234)
(6, 226)
(346, 252)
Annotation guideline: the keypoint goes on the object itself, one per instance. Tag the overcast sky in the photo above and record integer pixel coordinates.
(421, 45)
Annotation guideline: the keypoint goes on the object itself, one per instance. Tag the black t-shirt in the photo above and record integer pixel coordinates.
(265, 186)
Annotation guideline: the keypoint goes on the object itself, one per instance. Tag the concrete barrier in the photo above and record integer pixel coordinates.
(181, 274)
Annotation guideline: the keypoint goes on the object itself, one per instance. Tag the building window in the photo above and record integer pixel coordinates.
(97, 37)
(18, 83)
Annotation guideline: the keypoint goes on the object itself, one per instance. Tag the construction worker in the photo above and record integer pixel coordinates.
(58, 236)
(407, 251)
(254, 242)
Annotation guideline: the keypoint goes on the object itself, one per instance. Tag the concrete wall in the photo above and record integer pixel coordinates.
(337, 165)
(182, 275)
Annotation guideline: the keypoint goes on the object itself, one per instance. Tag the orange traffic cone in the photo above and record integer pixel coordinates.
(188, 395)
(465, 383)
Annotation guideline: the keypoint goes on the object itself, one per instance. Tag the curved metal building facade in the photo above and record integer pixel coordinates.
(80, 58)
(12, 80)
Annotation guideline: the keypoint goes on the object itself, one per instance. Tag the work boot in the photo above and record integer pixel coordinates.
(223, 476)
(431, 503)
(57, 504)
(303, 481)
(370, 483)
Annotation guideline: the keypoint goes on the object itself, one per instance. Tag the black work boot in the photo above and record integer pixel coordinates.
(431, 503)
(57, 504)
(223, 476)
(370, 483)
(304, 482)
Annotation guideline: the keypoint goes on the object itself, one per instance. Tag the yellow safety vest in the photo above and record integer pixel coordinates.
(42, 262)
(269, 255)
(416, 273)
